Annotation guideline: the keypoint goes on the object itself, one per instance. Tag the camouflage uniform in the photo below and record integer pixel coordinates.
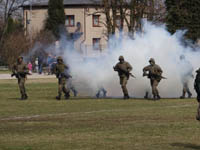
(197, 89)
(155, 75)
(62, 75)
(20, 70)
(123, 68)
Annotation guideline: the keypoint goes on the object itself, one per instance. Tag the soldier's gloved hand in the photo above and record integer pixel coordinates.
(144, 74)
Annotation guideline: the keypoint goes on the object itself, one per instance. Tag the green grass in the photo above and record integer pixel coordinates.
(42, 123)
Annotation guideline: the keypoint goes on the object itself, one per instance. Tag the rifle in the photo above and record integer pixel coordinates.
(125, 72)
(63, 75)
(19, 75)
(153, 75)
(130, 74)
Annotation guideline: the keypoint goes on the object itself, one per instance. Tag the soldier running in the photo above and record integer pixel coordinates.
(155, 75)
(123, 68)
(61, 71)
(20, 70)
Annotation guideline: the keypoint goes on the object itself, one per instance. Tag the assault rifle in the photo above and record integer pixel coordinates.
(63, 75)
(153, 75)
(130, 74)
(125, 72)
(20, 75)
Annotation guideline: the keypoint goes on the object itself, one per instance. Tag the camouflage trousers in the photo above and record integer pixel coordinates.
(123, 82)
(62, 87)
(186, 90)
(154, 85)
(21, 83)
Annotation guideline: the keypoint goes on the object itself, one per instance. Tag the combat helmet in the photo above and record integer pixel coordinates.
(20, 57)
(59, 58)
(121, 58)
(152, 60)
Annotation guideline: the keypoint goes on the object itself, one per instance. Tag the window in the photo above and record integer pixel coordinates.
(96, 20)
(96, 43)
(69, 22)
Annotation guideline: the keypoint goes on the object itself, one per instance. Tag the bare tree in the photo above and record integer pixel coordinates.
(131, 12)
(9, 8)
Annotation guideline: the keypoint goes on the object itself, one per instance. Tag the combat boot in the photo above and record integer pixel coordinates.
(58, 97)
(182, 97)
(197, 118)
(67, 95)
(158, 97)
(126, 96)
(25, 96)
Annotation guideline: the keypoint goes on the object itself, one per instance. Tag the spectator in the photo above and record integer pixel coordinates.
(30, 67)
(36, 65)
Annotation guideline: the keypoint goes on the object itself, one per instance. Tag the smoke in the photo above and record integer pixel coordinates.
(156, 42)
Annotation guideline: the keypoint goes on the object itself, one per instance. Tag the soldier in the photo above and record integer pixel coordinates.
(20, 70)
(186, 75)
(123, 68)
(197, 89)
(155, 75)
(61, 71)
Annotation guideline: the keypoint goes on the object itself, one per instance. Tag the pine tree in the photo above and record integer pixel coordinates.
(184, 15)
(56, 17)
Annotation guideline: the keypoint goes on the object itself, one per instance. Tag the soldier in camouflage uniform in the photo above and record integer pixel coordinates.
(20, 70)
(197, 89)
(155, 75)
(123, 68)
(61, 71)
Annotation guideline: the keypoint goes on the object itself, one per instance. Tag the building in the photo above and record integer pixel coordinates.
(82, 15)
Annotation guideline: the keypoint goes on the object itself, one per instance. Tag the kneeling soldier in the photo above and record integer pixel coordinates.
(20, 70)
(61, 71)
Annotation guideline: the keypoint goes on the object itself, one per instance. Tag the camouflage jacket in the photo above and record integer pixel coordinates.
(123, 69)
(61, 70)
(154, 72)
(20, 68)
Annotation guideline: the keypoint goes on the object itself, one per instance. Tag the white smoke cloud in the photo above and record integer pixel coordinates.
(155, 42)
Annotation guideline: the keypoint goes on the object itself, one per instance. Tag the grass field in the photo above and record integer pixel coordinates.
(42, 123)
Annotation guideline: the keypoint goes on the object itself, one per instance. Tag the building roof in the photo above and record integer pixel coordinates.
(66, 3)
